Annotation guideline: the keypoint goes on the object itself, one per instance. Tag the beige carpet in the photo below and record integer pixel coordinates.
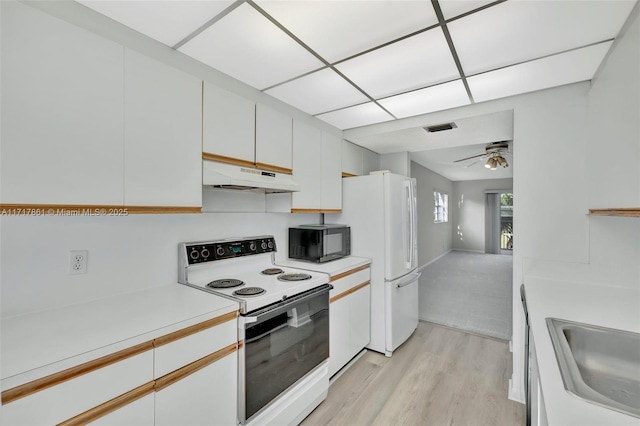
(469, 291)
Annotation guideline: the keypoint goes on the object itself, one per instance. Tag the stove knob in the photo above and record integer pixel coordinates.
(194, 254)
(270, 244)
(205, 253)
(252, 246)
(263, 245)
(220, 251)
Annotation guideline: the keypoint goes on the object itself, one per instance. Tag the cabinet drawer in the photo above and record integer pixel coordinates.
(80, 393)
(173, 351)
(344, 284)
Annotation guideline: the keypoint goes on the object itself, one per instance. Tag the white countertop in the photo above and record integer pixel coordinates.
(38, 344)
(607, 306)
(332, 268)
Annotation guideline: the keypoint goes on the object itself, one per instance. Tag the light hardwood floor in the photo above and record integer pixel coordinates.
(440, 376)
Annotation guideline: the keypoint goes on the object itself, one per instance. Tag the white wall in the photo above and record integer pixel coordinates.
(468, 211)
(434, 239)
(126, 253)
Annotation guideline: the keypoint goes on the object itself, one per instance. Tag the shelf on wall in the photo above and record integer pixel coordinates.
(622, 212)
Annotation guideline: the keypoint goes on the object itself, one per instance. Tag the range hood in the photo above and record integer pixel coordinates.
(229, 176)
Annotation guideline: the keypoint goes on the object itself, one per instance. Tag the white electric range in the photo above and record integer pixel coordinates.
(283, 325)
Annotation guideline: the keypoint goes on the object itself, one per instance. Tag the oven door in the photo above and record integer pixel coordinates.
(282, 343)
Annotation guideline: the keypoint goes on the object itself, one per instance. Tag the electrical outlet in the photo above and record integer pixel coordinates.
(78, 261)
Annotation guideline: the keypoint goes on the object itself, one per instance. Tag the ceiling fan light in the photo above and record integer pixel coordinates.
(488, 163)
(494, 163)
(502, 161)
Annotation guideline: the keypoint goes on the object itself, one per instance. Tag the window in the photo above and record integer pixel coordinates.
(440, 207)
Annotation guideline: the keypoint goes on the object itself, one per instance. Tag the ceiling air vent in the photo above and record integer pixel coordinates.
(440, 127)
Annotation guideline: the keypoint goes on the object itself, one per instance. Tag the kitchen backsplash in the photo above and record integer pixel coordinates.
(126, 253)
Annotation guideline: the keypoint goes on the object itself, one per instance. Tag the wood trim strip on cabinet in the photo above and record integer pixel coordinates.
(347, 174)
(110, 406)
(350, 291)
(196, 328)
(228, 160)
(187, 370)
(54, 379)
(272, 168)
(90, 210)
(162, 209)
(350, 272)
(621, 212)
(316, 211)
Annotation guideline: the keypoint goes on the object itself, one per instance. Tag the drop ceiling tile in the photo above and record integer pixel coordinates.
(157, 19)
(356, 116)
(319, 92)
(453, 8)
(342, 28)
(418, 61)
(245, 45)
(564, 68)
(435, 98)
(516, 31)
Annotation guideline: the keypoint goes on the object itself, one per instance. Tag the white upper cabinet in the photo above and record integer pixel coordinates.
(317, 169)
(228, 126)
(162, 132)
(307, 167)
(370, 161)
(331, 172)
(357, 161)
(351, 159)
(62, 112)
(273, 140)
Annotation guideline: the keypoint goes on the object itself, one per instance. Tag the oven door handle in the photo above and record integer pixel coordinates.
(285, 305)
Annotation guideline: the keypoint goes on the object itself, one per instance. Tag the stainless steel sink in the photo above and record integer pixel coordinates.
(597, 364)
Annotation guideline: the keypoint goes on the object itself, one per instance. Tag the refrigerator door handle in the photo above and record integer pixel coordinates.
(414, 223)
(408, 280)
(409, 228)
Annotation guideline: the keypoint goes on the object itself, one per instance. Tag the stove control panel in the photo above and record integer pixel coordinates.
(228, 249)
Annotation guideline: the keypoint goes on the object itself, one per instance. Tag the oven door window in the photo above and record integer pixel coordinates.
(282, 348)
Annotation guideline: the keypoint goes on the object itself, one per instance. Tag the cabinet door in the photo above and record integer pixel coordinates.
(206, 397)
(351, 158)
(163, 122)
(331, 172)
(228, 125)
(370, 161)
(339, 335)
(273, 140)
(307, 168)
(62, 112)
(360, 318)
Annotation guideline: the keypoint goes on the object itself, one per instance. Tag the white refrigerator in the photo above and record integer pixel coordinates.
(381, 210)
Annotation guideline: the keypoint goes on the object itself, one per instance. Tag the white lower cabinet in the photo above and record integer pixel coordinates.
(339, 335)
(349, 324)
(187, 377)
(206, 397)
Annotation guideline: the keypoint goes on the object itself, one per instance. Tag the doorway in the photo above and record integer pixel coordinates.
(499, 222)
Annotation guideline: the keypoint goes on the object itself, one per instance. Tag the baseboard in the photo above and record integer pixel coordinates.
(433, 260)
(516, 395)
(469, 251)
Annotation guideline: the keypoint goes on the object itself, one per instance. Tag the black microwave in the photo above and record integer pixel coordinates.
(319, 243)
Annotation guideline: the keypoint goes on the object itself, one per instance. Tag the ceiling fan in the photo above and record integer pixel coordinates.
(494, 152)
